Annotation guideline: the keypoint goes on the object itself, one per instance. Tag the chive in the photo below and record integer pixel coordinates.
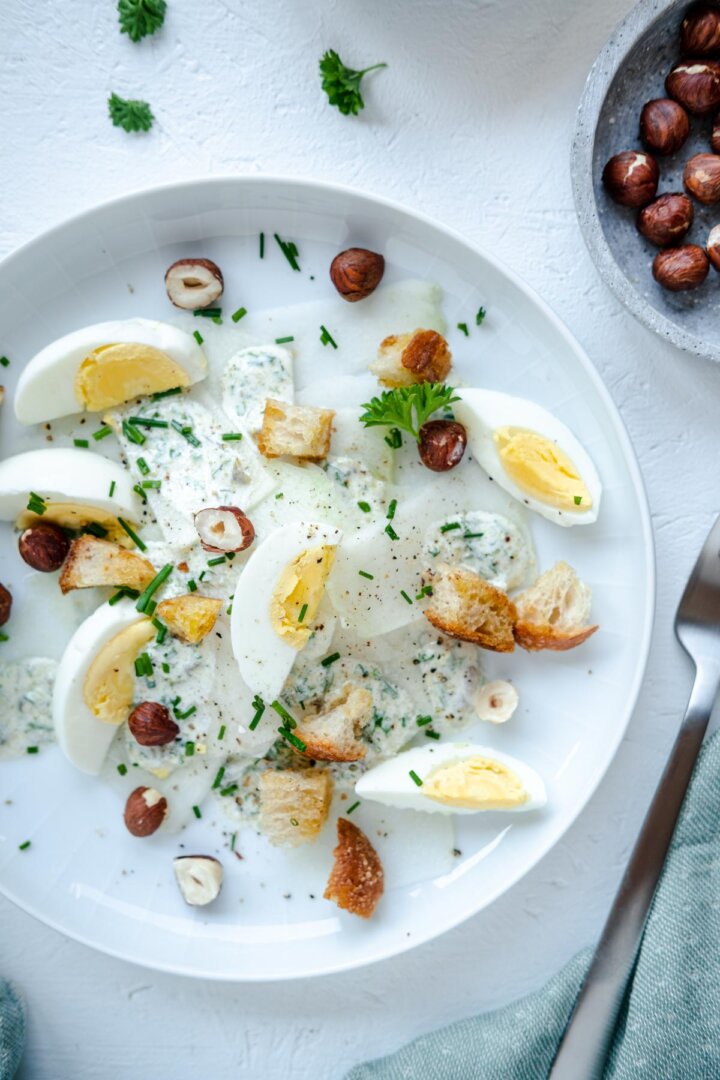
(449, 527)
(188, 712)
(239, 314)
(405, 596)
(292, 739)
(176, 701)
(394, 439)
(155, 584)
(432, 734)
(83, 443)
(284, 340)
(36, 503)
(283, 713)
(280, 495)
(353, 807)
(132, 433)
(132, 594)
(192, 585)
(167, 393)
(330, 659)
(262, 245)
(391, 510)
(189, 748)
(232, 436)
(24, 846)
(151, 484)
(233, 838)
(216, 561)
(218, 777)
(288, 249)
(4, 361)
(326, 337)
(132, 534)
(221, 732)
(425, 591)
(365, 507)
(4, 636)
(480, 316)
(364, 573)
(147, 664)
(415, 778)
(186, 431)
(198, 337)
(421, 721)
(294, 821)
(577, 499)
(148, 421)
(463, 326)
(122, 768)
(95, 530)
(472, 536)
(303, 613)
(228, 609)
(150, 609)
(139, 666)
(161, 631)
(196, 811)
(201, 575)
(33, 750)
(229, 790)
(391, 532)
(259, 705)
(111, 492)
(101, 433)
(208, 312)
(139, 491)
(166, 667)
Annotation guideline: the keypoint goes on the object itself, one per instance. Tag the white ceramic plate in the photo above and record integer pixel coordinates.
(83, 873)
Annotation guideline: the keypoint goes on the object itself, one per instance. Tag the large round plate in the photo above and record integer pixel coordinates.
(83, 874)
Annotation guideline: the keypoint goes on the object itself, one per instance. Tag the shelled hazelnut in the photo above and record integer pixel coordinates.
(44, 546)
(356, 273)
(666, 220)
(715, 135)
(145, 811)
(696, 85)
(701, 178)
(713, 247)
(5, 604)
(631, 178)
(150, 724)
(700, 31)
(664, 125)
(681, 268)
(442, 444)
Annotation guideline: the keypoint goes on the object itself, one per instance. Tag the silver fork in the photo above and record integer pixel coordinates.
(584, 1046)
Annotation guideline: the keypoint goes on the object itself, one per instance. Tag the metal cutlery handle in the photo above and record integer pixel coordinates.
(584, 1046)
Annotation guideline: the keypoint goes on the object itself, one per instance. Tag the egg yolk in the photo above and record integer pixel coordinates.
(76, 516)
(477, 783)
(298, 593)
(112, 374)
(109, 684)
(541, 469)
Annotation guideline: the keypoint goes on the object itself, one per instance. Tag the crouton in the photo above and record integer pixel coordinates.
(92, 561)
(189, 617)
(554, 613)
(333, 734)
(357, 878)
(294, 804)
(404, 359)
(300, 431)
(466, 606)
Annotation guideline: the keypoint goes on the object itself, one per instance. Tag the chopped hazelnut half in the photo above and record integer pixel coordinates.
(194, 283)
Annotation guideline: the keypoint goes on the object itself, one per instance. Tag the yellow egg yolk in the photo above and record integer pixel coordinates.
(477, 783)
(109, 683)
(112, 374)
(76, 516)
(298, 593)
(541, 469)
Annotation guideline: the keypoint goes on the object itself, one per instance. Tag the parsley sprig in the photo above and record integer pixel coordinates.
(408, 407)
(130, 115)
(138, 18)
(342, 84)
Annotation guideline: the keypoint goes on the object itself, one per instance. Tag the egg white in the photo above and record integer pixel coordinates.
(66, 475)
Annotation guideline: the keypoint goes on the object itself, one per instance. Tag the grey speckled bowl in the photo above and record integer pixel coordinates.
(629, 71)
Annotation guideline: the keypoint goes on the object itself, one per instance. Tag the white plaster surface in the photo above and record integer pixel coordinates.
(471, 123)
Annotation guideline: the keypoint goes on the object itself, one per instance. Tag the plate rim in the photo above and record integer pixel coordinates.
(437, 929)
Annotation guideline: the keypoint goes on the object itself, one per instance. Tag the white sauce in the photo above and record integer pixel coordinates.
(25, 705)
(492, 545)
(252, 376)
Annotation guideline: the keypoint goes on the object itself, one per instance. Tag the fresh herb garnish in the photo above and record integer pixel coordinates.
(408, 407)
(239, 314)
(577, 499)
(130, 115)
(391, 510)
(283, 340)
(32, 750)
(132, 433)
(353, 807)
(394, 439)
(102, 432)
(391, 532)
(289, 250)
(303, 613)
(232, 436)
(143, 466)
(342, 84)
(330, 659)
(111, 492)
(167, 393)
(450, 526)
(221, 732)
(132, 534)
(148, 421)
(479, 318)
(463, 326)
(218, 777)
(189, 748)
(365, 507)
(192, 585)
(122, 768)
(421, 721)
(432, 734)
(94, 529)
(82, 443)
(472, 536)
(36, 504)
(155, 584)
(364, 573)
(139, 491)
(4, 361)
(208, 312)
(405, 596)
(262, 245)
(326, 337)
(198, 337)
(425, 591)
(259, 706)
(24, 846)
(282, 712)
(138, 18)
(292, 739)
(149, 484)
(415, 778)
(184, 715)
(186, 431)
(123, 591)
(196, 811)
(216, 561)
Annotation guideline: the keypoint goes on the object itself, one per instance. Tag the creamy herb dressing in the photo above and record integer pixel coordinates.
(252, 376)
(492, 545)
(25, 705)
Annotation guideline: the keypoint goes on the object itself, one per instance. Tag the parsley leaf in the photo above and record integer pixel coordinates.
(408, 407)
(138, 18)
(130, 115)
(342, 84)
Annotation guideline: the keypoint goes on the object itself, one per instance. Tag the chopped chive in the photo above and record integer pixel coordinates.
(166, 667)
(4, 361)
(189, 748)
(464, 327)
(284, 340)
(294, 821)
(196, 811)
(239, 314)
(122, 768)
(111, 492)
(353, 807)
(229, 790)
(288, 249)
(36, 503)
(186, 431)
(480, 316)
(184, 715)
(102, 433)
(303, 613)
(365, 507)
(155, 584)
(283, 713)
(208, 312)
(132, 433)
(228, 609)
(262, 245)
(280, 495)
(232, 436)
(364, 573)
(139, 491)
(201, 575)
(450, 526)
(217, 320)
(415, 778)
(425, 591)
(326, 337)
(405, 596)
(124, 591)
(148, 421)
(192, 585)
(259, 706)
(472, 536)
(233, 838)
(167, 393)
(218, 777)
(216, 561)
(221, 732)
(32, 750)
(432, 734)
(139, 666)
(421, 721)
(26, 844)
(161, 631)
(95, 530)
(330, 659)
(4, 636)
(152, 484)
(82, 443)
(394, 439)
(292, 739)
(391, 510)
(391, 532)
(577, 499)
(198, 337)
(132, 534)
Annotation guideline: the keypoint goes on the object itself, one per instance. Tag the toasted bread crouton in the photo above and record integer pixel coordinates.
(294, 804)
(357, 878)
(300, 431)
(466, 606)
(333, 734)
(92, 561)
(404, 359)
(554, 613)
(189, 617)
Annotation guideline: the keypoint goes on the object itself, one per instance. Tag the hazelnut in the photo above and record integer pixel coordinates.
(666, 220)
(715, 135)
(199, 878)
(631, 178)
(194, 283)
(496, 701)
(701, 177)
(356, 273)
(442, 444)
(713, 246)
(5, 604)
(44, 546)
(696, 85)
(224, 528)
(664, 125)
(145, 811)
(700, 31)
(681, 268)
(150, 724)
(427, 355)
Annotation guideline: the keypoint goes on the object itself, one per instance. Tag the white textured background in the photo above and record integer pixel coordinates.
(472, 124)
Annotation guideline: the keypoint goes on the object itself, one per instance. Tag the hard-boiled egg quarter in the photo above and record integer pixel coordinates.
(104, 365)
(532, 455)
(454, 778)
(276, 601)
(95, 682)
(76, 487)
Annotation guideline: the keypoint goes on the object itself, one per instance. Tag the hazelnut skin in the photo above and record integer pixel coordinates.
(713, 247)
(666, 220)
(701, 178)
(664, 126)
(681, 268)
(356, 273)
(150, 724)
(696, 85)
(700, 31)
(442, 444)
(44, 546)
(715, 135)
(631, 178)
(5, 604)
(145, 811)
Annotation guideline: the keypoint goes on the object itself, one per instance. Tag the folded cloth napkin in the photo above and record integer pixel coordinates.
(669, 1028)
(12, 1030)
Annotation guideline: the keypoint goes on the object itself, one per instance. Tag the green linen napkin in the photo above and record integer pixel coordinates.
(670, 1025)
(12, 1030)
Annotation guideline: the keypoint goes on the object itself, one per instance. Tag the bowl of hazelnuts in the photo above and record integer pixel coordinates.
(646, 169)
